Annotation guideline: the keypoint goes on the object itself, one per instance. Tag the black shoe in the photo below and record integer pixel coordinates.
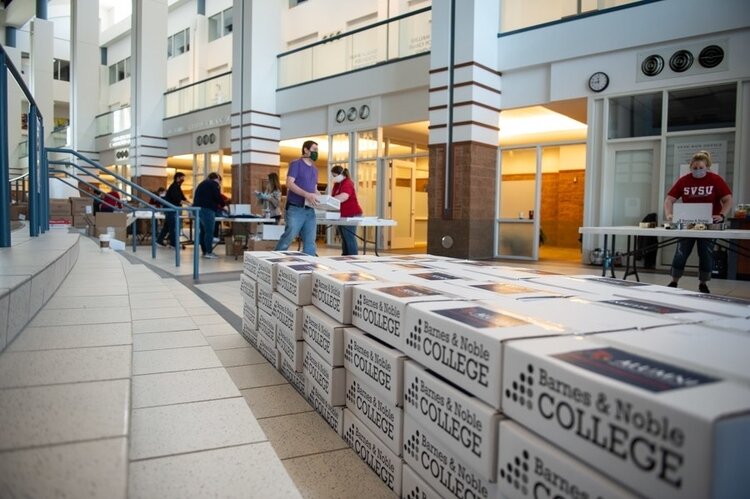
(161, 243)
(672, 285)
(703, 288)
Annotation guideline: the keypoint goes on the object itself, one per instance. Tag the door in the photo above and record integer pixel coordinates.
(517, 225)
(401, 203)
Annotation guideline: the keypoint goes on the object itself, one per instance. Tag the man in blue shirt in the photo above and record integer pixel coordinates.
(301, 185)
(208, 198)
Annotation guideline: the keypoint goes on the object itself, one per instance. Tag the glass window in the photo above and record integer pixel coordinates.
(121, 70)
(127, 67)
(179, 43)
(635, 116)
(702, 108)
(214, 24)
(113, 74)
(519, 14)
(170, 47)
(228, 21)
(187, 39)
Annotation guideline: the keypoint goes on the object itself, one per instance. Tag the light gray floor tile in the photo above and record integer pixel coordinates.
(176, 359)
(255, 376)
(138, 304)
(158, 313)
(63, 317)
(336, 475)
(78, 336)
(163, 325)
(197, 426)
(46, 367)
(300, 434)
(205, 320)
(173, 339)
(270, 401)
(186, 386)
(143, 299)
(196, 309)
(47, 415)
(226, 341)
(87, 302)
(240, 357)
(217, 329)
(247, 471)
(81, 470)
(83, 291)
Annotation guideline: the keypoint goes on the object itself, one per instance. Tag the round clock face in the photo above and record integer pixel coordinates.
(598, 81)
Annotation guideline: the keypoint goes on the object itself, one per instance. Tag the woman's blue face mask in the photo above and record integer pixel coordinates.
(699, 172)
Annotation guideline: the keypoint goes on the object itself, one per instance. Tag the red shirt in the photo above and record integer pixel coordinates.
(350, 207)
(112, 199)
(709, 189)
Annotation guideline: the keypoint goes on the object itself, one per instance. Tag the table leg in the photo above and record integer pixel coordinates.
(604, 258)
(376, 240)
(630, 256)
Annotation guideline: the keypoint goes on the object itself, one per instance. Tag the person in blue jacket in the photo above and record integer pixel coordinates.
(208, 198)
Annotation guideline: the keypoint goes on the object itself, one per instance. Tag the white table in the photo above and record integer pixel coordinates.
(727, 237)
(360, 222)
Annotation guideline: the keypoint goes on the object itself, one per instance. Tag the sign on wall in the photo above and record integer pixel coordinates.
(206, 141)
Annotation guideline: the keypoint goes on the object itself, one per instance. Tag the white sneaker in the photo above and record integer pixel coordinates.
(216, 240)
(211, 256)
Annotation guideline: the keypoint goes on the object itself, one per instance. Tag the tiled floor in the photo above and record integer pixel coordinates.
(133, 381)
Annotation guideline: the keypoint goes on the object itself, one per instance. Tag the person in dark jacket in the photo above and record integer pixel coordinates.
(175, 196)
(208, 198)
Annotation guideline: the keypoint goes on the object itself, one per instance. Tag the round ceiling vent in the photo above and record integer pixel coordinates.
(652, 65)
(711, 56)
(681, 61)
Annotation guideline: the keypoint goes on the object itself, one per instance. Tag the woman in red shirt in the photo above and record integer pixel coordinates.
(343, 190)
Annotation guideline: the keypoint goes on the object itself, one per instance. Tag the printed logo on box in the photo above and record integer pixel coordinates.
(368, 451)
(646, 306)
(516, 474)
(635, 370)
(265, 298)
(381, 315)
(297, 380)
(616, 282)
(369, 363)
(316, 371)
(317, 333)
(436, 276)
(363, 402)
(285, 314)
(267, 326)
(268, 350)
(334, 416)
(326, 294)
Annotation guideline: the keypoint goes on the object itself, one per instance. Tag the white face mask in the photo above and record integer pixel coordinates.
(699, 172)
(338, 178)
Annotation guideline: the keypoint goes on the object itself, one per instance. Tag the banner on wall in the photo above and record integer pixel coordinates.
(683, 153)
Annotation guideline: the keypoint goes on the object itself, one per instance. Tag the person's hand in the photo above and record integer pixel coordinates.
(312, 198)
(719, 218)
(669, 218)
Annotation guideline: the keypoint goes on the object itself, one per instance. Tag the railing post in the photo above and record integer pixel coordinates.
(196, 242)
(44, 180)
(4, 159)
(34, 204)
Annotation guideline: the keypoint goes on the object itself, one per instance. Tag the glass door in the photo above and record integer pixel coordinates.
(519, 188)
(401, 203)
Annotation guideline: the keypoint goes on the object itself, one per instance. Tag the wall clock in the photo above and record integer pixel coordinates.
(598, 81)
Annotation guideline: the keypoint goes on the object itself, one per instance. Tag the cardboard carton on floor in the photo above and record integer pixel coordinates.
(379, 309)
(296, 379)
(376, 364)
(461, 421)
(332, 292)
(440, 466)
(330, 381)
(664, 428)
(289, 347)
(386, 465)
(334, 416)
(248, 289)
(384, 419)
(79, 206)
(294, 280)
(60, 207)
(324, 335)
(267, 349)
(266, 269)
(414, 487)
(529, 466)
(288, 316)
(729, 306)
(267, 326)
(265, 298)
(463, 341)
(251, 259)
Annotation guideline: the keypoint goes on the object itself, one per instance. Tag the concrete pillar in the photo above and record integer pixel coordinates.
(15, 97)
(255, 124)
(148, 74)
(464, 112)
(85, 73)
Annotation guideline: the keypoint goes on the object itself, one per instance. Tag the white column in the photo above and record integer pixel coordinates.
(85, 72)
(148, 147)
(15, 96)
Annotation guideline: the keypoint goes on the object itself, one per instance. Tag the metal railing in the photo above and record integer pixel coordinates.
(192, 212)
(397, 38)
(202, 94)
(19, 189)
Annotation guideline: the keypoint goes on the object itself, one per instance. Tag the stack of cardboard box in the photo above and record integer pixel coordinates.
(83, 211)
(118, 221)
(60, 214)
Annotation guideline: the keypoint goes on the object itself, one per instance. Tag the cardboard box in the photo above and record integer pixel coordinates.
(324, 335)
(461, 421)
(593, 284)
(19, 212)
(61, 220)
(663, 429)
(267, 326)
(248, 289)
(529, 466)
(334, 416)
(640, 310)
(384, 419)
(121, 233)
(80, 222)
(60, 207)
(288, 317)
(373, 452)
(115, 220)
(271, 232)
(249, 332)
(250, 320)
(413, 487)
(731, 324)
(463, 342)
(267, 349)
(266, 268)
(289, 347)
(327, 215)
(332, 292)
(700, 302)
(250, 260)
(294, 280)
(78, 206)
(265, 298)
(502, 288)
(326, 202)
(379, 309)
(440, 466)
(330, 381)
(376, 364)
(296, 379)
